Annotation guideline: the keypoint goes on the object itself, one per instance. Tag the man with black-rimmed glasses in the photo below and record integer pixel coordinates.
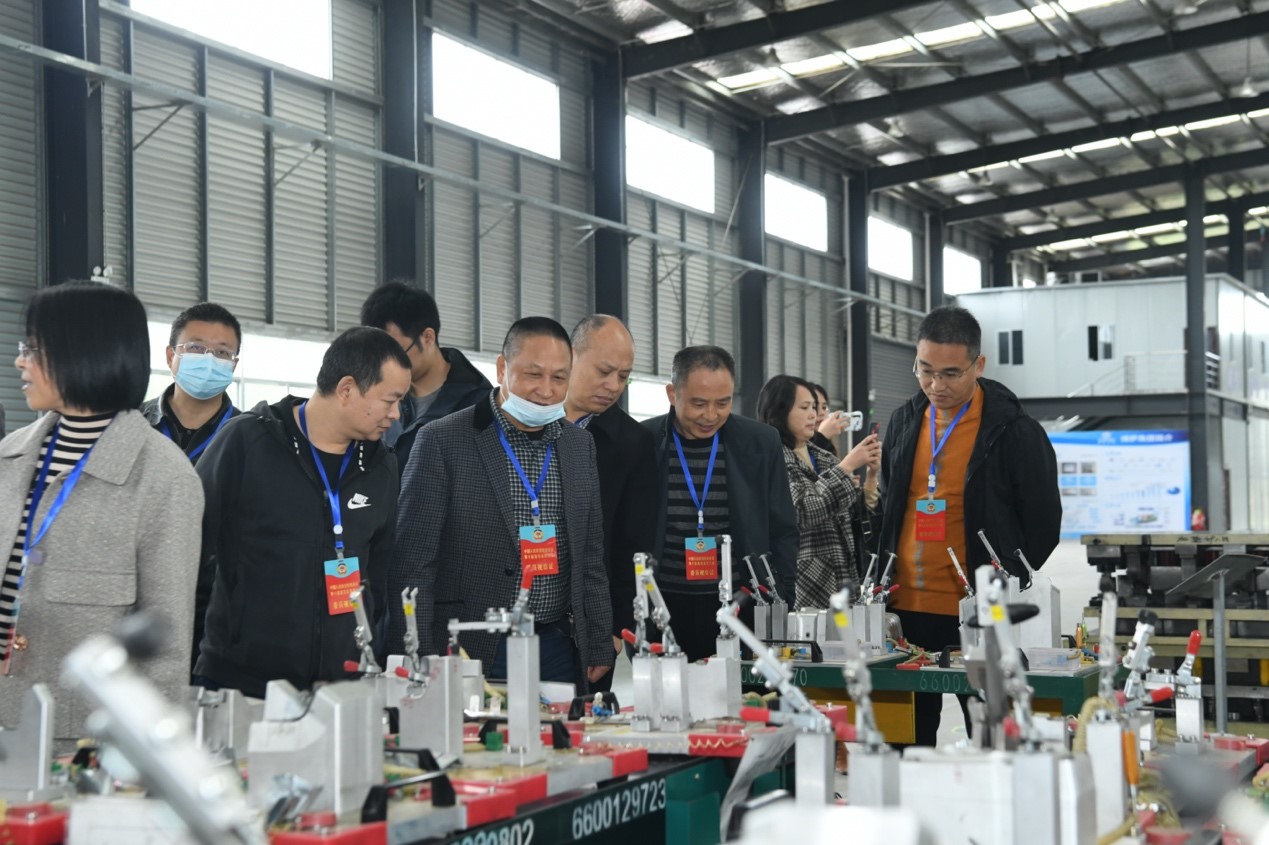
(961, 456)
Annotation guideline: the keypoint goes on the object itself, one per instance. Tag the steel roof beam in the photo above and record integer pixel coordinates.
(789, 127)
(1132, 256)
(643, 59)
(1074, 191)
(945, 165)
(1120, 224)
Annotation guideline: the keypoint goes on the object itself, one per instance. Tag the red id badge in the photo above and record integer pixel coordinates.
(931, 520)
(701, 556)
(343, 578)
(539, 554)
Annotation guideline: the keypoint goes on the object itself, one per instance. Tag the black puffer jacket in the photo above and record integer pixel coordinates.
(1011, 489)
(266, 531)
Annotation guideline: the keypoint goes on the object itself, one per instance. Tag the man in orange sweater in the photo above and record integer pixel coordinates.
(961, 456)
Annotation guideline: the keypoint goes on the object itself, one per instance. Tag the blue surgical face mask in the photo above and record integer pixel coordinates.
(531, 413)
(204, 376)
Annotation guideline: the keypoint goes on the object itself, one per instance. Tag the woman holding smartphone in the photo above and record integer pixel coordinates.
(827, 494)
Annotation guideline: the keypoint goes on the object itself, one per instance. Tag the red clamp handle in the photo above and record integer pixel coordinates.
(628, 636)
(526, 581)
(846, 732)
(1196, 639)
(403, 672)
(763, 590)
(756, 714)
(352, 666)
(1161, 694)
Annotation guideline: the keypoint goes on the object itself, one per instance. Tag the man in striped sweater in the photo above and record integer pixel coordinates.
(719, 474)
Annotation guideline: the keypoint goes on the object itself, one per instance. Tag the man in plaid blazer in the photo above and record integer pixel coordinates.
(465, 500)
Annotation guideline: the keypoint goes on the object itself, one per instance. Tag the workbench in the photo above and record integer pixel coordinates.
(676, 801)
(893, 689)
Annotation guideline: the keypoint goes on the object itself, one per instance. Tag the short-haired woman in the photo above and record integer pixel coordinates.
(827, 426)
(826, 492)
(100, 514)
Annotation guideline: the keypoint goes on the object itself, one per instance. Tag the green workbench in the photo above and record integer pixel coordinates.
(1068, 692)
(677, 802)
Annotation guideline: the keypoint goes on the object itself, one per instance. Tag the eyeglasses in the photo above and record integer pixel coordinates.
(200, 349)
(27, 352)
(946, 376)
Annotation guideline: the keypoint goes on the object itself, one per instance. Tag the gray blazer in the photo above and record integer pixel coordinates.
(126, 540)
(457, 540)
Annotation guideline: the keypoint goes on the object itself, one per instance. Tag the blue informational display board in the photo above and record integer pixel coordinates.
(1123, 481)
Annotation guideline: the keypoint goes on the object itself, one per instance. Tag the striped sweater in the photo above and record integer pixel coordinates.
(69, 441)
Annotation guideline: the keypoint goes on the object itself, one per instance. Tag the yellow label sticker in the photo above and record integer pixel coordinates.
(842, 620)
(997, 613)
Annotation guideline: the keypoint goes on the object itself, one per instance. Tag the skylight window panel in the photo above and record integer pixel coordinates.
(950, 34)
(962, 272)
(749, 79)
(475, 90)
(295, 33)
(1213, 121)
(795, 213)
(884, 50)
(889, 249)
(814, 65)
(664, 163)
(1010, 20)
(1042, 156)
(1085, 5)
(1095, 145)
(664, 32)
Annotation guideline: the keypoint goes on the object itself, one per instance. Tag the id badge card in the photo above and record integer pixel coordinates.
(539, 554)
(701, 557)
(931, 520)
(343, 578)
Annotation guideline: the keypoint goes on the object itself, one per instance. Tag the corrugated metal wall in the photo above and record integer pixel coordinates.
(682, 300)
(812, 325)
(493, 261)
(192, 200)
(21, 194)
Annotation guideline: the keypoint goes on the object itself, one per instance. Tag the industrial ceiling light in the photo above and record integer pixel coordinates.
(1186, 7)
(1247, 89)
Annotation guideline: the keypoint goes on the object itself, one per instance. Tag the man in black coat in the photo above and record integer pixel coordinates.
(603, 357)
(986, 466)
(719, 473)
(301, 511)
(442, 380)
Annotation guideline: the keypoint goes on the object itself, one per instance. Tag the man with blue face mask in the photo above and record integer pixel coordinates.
(500, 491)
(202, 353)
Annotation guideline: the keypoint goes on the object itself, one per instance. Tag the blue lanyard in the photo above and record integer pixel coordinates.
(936, 448)
(584, 421)
(72, 478)
(699, 501)
(331, 494)
(535, 493)
(815, 465)
(167, 432)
